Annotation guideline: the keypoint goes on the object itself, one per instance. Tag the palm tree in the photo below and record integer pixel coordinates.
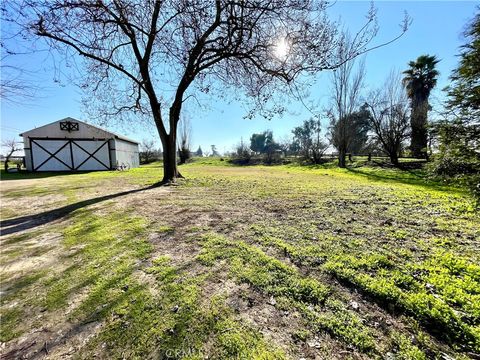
(419, 80)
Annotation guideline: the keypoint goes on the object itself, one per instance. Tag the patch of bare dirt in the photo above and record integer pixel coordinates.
(50, 335)
(37, 253)
(15, 184)
(32, 204)
(50, 342)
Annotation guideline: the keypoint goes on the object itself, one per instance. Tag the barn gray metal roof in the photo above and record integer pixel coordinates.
(107, 132)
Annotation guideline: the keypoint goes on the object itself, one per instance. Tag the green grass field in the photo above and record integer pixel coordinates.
(256, 262)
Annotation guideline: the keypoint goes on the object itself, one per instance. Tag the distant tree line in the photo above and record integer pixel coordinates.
(393, 119)
(381, 121)
(381, 125)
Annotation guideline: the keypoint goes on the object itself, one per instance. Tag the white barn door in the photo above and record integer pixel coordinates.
(69, 154)
(50, 155)
(90, 155)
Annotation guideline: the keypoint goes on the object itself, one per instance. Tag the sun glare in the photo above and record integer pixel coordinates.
(282, 48)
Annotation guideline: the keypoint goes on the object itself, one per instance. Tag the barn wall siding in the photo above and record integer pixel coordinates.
(126, 153)
(28, 155)
(113, 154)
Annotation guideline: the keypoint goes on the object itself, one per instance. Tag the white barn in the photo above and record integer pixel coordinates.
(72, 145)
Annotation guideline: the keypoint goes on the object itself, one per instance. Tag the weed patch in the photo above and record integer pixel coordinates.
(251, 265)
(172, 324)
(369, 260)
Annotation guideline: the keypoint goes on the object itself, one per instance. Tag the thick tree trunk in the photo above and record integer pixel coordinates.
(341, 158)
(7, 159)
(169, 143)
(418, 122)
(170, 170)
(394, 159)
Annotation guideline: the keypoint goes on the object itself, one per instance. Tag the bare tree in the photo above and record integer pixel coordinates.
(285, 144)
(185, 129)
(14, 87)
(389, 116)
(145, 57)
(12, 146)
(214, 151)
(347, 85)
(147, 151)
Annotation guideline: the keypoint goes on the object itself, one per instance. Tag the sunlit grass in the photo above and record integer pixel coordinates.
(304, 235)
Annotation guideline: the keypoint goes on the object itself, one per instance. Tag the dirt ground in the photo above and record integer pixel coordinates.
(88, 258)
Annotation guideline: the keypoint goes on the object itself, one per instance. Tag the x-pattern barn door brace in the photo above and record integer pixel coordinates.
(52, 155)
(69, 142)
(91, 155)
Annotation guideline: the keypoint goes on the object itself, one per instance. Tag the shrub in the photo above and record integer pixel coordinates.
(458, 158)
(242, 154)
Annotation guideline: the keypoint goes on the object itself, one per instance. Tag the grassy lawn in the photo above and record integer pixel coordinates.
(256, 262)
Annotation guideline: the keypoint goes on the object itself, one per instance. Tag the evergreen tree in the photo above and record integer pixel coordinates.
(464, 93)
(457, 137)
(199, 152)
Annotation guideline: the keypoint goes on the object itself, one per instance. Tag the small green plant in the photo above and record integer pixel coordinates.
(269, 275)
(405, 349)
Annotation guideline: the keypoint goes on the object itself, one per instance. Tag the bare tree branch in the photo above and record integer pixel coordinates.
(389, 116)
(165, 49)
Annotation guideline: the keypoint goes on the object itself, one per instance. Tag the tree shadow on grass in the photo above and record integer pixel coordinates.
(12, 226)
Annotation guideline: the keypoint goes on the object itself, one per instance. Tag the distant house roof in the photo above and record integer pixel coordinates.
(99, 131)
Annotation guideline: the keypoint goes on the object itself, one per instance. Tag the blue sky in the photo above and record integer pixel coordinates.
(436, 29)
